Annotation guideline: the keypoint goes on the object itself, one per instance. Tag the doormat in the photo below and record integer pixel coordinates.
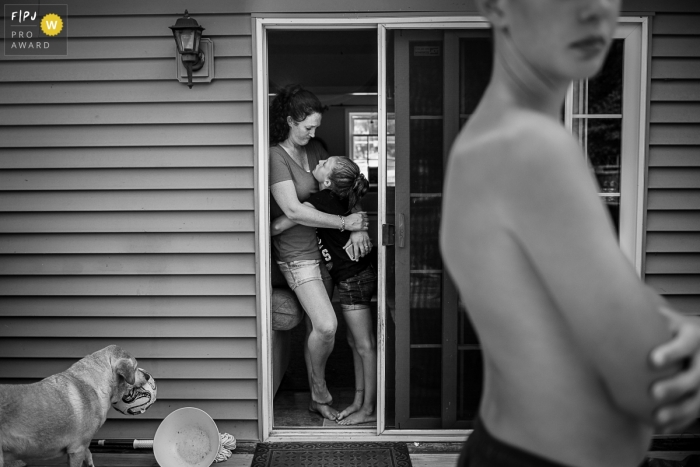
(331, 454)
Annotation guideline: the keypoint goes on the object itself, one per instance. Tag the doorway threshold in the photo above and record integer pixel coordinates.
(366, 435)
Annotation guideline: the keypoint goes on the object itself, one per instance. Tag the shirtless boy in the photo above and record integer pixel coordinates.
(565, 324)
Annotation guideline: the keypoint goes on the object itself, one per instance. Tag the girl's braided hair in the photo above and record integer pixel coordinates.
(293, 101)
(347, 181)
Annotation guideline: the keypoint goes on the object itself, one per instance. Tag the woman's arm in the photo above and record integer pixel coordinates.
(282, 223)
(286, 197)
(279, 225)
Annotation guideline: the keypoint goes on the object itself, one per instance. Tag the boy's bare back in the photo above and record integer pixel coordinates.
(564, 322)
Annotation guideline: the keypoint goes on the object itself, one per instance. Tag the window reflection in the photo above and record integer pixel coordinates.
(364, 145)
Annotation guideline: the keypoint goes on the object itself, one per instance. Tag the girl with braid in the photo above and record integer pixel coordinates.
(341, 186)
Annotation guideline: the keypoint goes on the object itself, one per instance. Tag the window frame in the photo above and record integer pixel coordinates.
(633, 138)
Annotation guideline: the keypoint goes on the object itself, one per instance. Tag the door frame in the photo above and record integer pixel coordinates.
(260, 24)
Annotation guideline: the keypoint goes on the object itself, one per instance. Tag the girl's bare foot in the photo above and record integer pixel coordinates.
(361, 416)
(355, 406)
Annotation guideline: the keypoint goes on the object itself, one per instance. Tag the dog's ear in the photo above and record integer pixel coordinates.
(126, 368)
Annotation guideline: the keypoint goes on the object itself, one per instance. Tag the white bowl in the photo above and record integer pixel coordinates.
(188, 437)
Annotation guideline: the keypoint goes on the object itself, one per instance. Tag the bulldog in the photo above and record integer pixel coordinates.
(60, 414)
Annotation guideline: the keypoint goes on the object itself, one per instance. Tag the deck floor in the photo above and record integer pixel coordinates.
(418, 459)
(147, 459)
(236, 460)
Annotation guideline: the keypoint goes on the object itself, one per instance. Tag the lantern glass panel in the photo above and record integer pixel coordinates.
(187, 38)
(178, 41)
(197, 37)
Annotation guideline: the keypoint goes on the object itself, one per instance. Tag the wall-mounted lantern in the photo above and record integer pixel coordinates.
(188, 37)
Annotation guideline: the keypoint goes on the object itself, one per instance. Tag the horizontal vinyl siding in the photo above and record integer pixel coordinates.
(672, 263)
(127, 214)
(116, 157)
(59, 243)
(178, 348)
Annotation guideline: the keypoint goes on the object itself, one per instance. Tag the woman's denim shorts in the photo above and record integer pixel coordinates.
(357, 291)
(302, 271)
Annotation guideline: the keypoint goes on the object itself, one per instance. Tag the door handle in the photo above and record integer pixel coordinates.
(388, 233)
(402, 230)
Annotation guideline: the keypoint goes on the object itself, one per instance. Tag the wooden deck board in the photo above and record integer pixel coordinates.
(236, 460)
(418, 459)
(139, 459)
(434, 460)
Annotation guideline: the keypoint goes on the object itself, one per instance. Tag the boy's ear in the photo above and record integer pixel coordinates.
(494, 11)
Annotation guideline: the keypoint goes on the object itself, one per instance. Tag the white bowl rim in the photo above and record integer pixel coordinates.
(189, 409)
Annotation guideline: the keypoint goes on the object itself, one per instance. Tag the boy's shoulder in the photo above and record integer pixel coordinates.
(523, 156)
(519, 133)
(519, 144)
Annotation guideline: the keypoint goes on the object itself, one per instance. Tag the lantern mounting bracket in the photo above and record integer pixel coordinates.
(202, 74)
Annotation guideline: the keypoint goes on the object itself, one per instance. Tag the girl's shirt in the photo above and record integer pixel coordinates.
(298, 242)
(332, 241)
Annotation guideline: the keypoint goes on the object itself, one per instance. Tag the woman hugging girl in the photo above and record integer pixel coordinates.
(341, 186)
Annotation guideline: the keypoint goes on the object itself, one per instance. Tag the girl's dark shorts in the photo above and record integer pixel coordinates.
(357, 291)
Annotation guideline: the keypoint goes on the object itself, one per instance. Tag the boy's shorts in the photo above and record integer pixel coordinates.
(483, 450)
(356, 292)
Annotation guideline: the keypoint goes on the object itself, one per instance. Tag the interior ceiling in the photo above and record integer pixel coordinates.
(324, 61)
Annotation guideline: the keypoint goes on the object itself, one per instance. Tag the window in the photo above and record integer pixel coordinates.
(363, 141)
(607, 115)
(597, 124)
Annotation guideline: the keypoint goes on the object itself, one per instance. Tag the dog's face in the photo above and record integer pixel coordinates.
(124, 367)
